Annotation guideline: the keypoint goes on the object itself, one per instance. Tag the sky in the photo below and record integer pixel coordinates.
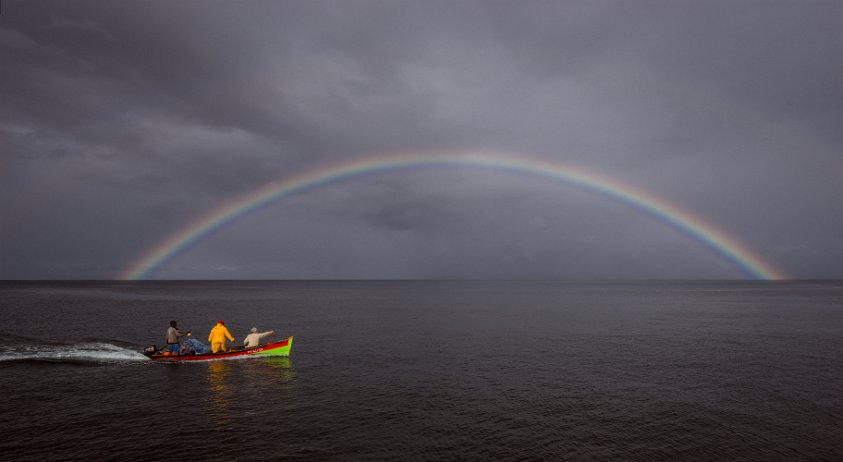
(124, 123)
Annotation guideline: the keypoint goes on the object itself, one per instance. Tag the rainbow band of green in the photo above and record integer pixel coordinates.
(731, 250)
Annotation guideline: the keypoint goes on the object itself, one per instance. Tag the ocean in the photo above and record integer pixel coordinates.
(427, 371)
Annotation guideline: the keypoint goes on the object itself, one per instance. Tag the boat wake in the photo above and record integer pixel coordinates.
(91, 352)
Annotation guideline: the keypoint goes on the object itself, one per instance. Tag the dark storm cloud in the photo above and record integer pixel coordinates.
(121, 122)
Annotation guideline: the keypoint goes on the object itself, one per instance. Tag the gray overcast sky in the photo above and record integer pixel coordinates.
(122, 122)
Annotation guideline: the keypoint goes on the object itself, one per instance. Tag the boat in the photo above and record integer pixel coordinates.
(281, 348)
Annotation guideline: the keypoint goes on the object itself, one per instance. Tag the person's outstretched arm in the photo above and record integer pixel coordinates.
(266, 334)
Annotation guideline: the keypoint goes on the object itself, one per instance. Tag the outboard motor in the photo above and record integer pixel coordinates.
(150, 350)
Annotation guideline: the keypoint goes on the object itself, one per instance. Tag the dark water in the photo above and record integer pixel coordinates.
(428, 371)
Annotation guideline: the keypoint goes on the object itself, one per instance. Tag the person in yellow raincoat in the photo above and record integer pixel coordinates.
(218, 336)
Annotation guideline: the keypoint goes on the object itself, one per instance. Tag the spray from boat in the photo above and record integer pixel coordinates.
(88, 352)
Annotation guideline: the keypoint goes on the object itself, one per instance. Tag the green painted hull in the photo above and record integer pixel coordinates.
(283, 350)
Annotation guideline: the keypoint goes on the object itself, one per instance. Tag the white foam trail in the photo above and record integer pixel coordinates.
(84, 352)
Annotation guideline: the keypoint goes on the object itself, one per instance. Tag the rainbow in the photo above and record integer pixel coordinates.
(737, 254)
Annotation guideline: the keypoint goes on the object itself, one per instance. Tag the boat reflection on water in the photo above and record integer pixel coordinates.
(231, 383)
(276, 372)
(221, 392)
(277, 362)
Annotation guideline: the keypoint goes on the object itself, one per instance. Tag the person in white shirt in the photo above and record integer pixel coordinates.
(254, 339)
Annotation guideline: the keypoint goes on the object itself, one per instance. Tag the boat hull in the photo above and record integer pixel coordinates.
(281, 348)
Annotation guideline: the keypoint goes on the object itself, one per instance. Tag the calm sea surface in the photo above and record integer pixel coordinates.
(427, 371)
